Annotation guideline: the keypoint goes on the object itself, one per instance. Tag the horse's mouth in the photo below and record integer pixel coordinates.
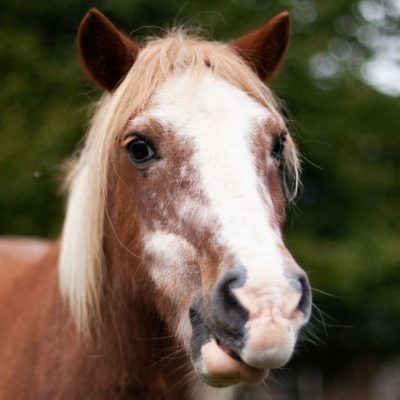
(220, 366)
(231, 353)
(216, 362)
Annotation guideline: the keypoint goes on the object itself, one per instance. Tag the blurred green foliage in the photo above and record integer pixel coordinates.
(345, 229)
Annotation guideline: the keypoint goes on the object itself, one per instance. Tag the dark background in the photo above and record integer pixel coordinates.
(341, 87)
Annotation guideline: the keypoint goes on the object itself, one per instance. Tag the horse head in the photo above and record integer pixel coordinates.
(183, 166)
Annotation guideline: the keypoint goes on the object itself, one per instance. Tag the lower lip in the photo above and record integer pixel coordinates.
(223, 369)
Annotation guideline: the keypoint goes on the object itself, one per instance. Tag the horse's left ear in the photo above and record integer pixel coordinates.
(264, 48)
(106, 54)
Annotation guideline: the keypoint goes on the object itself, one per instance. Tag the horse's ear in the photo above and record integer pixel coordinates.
(106, 54)
(264, 48)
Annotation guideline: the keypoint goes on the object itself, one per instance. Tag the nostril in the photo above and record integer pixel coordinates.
(227, 312)
(229, 300)
(304, 304)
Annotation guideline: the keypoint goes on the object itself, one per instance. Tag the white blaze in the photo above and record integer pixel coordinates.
(221, 120)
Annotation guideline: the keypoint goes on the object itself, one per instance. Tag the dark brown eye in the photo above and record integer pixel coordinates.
(141, 150)
(278, 146)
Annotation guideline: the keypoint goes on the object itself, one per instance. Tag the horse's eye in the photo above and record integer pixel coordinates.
(141, 150)
(278, 146)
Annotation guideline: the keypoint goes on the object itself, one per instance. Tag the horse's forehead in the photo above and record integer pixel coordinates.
(185, 101)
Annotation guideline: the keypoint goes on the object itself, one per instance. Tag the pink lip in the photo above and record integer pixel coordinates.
(220, 368)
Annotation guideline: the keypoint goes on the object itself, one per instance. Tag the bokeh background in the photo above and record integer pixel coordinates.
(341, 87)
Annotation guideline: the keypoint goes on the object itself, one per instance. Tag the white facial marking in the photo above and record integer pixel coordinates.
(172, 257)
(220, 120)
(175, 272)
(191, 209)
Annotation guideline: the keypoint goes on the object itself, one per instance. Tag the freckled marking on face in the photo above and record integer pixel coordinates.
(221, 137)
(179, 207)
(175, 273)
(168, 183)
(172, 257)
(193, 210)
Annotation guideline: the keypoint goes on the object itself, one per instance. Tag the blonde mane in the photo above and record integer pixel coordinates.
(82, 263)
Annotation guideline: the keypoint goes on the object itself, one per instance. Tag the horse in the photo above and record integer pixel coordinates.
(171, 279)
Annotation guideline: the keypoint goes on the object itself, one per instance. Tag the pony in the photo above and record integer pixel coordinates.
(171, 279)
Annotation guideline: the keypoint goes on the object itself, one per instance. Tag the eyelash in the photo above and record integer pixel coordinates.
(278, 146)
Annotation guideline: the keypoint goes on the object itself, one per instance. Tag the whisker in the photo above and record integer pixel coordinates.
(326, 293)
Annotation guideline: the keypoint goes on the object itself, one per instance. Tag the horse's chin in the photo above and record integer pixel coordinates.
(219, 367)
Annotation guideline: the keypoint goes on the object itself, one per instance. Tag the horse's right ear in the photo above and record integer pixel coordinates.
(106, 54)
